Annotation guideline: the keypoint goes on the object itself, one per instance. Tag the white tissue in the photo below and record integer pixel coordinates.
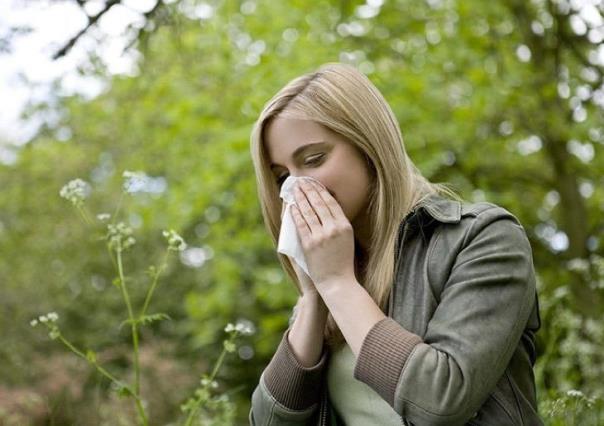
(289, 241)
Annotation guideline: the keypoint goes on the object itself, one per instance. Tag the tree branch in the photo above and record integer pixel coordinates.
(91, 21)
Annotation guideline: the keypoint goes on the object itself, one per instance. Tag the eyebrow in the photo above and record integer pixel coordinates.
(300, 150)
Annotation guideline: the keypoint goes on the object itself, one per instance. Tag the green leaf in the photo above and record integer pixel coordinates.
(148, 319)
(122, 390)
(91, 356)
(127, 321)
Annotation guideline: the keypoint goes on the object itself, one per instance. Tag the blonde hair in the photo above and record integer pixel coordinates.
(344, 100)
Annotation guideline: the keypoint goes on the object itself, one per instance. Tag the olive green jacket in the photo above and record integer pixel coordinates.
(457, 346)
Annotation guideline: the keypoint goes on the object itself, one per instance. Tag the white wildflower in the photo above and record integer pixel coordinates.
(578, 264)
(76, 191)
(44, 319)
(575, 393)
(245, 327)
(175, 241)
(103, 216)
(119, 236)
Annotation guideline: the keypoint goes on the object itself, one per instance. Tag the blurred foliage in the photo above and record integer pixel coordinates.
(502, 99)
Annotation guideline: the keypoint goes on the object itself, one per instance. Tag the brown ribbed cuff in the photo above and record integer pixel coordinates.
(383, 355)
(294, 386)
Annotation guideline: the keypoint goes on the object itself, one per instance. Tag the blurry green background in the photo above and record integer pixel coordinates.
(502, 99)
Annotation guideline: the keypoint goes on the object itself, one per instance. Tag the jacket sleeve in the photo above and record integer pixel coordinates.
(484, 307)
(287, 393)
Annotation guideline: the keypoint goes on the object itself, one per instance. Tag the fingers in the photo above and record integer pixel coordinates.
(311, 207)
(317, 208)
(303, 229)
(330, 203)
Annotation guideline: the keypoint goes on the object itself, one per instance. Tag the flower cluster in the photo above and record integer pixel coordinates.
(205, 382)
(578, 264)
(119, 236)
(244, 327)
(571, 402)
(103, 216)
(49, 320)
(175, 241)
(76, 191)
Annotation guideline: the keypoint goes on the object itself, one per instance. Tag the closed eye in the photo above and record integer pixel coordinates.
(310, 162)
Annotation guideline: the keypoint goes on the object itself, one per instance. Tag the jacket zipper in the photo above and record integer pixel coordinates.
(324, 418)
(323, 410)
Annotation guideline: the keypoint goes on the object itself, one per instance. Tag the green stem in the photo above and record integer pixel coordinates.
(133, 325)
(117, 209)
(111, 256)
(108, 375)
(152, 288)
(218, 364)
(194, 411)
(85, 215)
(82, 355)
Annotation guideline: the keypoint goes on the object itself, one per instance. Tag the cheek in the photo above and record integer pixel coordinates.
(345, 197)
(354, 196)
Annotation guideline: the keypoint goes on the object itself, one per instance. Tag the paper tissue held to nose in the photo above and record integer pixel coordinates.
(289, 242)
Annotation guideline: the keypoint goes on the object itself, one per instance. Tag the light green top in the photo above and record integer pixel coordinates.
(354, 401)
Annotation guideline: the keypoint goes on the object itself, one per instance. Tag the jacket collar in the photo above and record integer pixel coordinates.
(436, 207)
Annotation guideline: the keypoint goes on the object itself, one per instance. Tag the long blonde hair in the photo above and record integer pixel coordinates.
(344, 100)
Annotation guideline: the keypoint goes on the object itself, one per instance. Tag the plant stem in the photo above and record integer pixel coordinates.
(133, 324)
(193, 412)
(218, 364)
(117, 209)
(152, 288)
(85, 215)
(82, 355)
(111, 256)
(111, 377)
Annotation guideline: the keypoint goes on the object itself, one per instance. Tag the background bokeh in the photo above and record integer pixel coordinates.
(504, 100)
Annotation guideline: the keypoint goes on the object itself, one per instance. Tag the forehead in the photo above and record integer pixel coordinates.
(283, 135)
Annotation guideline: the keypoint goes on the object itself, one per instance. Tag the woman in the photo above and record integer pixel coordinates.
(419, 308)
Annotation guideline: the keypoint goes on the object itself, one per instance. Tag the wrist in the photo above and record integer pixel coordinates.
(327, 289)
(314, 301)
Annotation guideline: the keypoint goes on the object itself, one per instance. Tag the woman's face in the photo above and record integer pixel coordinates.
(306, 148)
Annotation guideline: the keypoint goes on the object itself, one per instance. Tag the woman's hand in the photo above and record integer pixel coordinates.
(326, 235)
(307, 286)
